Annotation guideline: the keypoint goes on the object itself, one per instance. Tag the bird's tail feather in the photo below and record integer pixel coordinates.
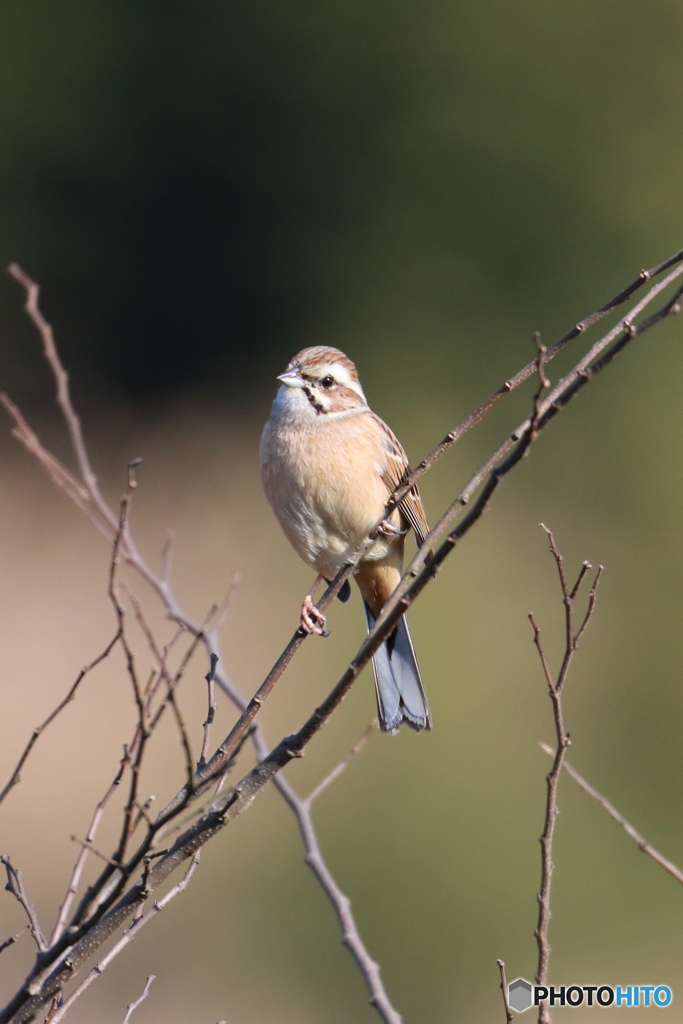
(400, 693)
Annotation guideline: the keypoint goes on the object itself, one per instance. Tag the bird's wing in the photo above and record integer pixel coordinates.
(396, 469)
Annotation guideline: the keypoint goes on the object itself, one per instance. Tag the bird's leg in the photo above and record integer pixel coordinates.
(390, 530)
(312, 620)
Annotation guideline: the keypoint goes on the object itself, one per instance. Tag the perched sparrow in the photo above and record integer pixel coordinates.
(328, 466)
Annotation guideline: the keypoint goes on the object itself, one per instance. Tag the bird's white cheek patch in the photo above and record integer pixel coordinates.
(343, 377)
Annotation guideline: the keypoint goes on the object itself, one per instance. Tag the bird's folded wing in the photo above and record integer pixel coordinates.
(395, 471)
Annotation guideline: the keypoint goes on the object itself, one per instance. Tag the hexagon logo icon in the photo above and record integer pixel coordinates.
(519, 995)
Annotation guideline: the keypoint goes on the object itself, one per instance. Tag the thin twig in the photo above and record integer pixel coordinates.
(546, 840)
(528, 371)
(591, 605)
(15, 777)
(211, 712)
(13, 938)
(110, 884)
(504, 989)
(161, 659)
(126, 939)
(639, 840)
(226, 604)
(351, 937)
(133, 1006)
(166, 557)
(93, 849)
(62, 379)
(137, 758)
(555, 686)
(340, 768)
(77, 872)
(543, 382)
(54, 1006)
(15, 886)
(584, 371)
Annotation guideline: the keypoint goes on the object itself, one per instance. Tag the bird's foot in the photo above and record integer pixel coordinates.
(386, 527)
(312, 620)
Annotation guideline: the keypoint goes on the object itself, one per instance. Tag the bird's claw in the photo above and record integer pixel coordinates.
(386, 527)
(312, 620)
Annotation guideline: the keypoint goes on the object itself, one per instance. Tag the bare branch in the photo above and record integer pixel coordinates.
(93, 849)
(15, 777)
(591, 605)
(341, 767)
(57, 472)
(543, 382)
(13, 938)
(126, 939)
(211, 713)
(562, 739)
(54, 1006)
(640, 842)
(133, 1006)
(531, 368)
(224, 607)
(580, 375)
(163, 676)
(143, 732)
(504, 990)
(541, 653)
(579, 579)
(15, 886)
(62, 378)
(75, 879)
(166, 555)
(351, 937)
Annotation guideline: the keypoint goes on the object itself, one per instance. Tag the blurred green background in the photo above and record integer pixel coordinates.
(203, 189)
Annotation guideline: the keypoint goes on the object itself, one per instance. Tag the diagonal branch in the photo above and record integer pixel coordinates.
(125, 940)
(13, 938)
(63, 396)
(134, 1005)
(15, 885)
(624, 331)
(39, 729)
(341, 767)
(74, 881)
(628, 828)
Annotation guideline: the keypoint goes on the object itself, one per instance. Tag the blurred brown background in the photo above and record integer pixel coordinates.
(203, 189)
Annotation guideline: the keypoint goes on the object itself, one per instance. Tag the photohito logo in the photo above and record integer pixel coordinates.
(522, 995)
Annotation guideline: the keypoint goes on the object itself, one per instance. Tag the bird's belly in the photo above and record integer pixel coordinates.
(324, 512)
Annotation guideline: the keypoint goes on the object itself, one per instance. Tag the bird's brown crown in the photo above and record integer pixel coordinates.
(312, 360)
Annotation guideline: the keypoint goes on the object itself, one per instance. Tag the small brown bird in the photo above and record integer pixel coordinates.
(328, 466)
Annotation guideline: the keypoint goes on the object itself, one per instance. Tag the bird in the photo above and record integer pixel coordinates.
(328, 467)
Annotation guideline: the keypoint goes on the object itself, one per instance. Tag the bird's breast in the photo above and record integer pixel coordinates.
(325, 486)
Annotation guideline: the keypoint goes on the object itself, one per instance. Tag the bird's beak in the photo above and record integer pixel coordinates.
(291, 378)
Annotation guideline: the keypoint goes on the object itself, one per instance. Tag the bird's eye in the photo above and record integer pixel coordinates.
(327, 382)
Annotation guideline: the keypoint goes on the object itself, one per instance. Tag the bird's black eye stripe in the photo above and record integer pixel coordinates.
(327, 382)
